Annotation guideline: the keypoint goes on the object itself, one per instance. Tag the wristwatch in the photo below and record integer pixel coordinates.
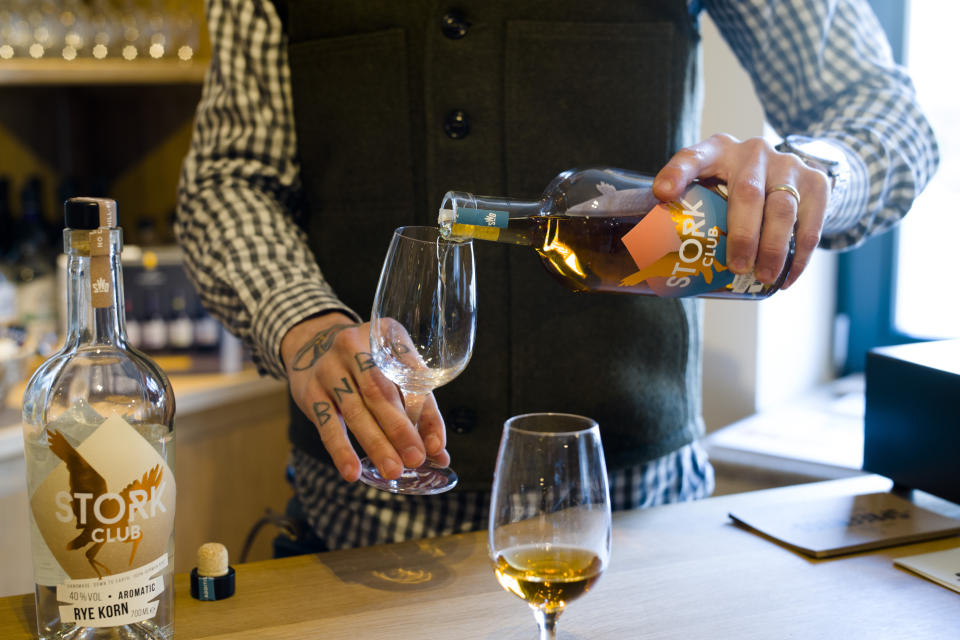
(823, 156)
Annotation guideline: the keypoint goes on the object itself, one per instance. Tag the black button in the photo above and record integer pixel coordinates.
(462, 419)
(453, 25)
(456, 124)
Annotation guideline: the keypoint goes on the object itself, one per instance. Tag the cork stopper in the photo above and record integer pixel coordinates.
(213, 578)
(212, 560)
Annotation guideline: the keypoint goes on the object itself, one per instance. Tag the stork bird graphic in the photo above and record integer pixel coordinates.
(84, 479)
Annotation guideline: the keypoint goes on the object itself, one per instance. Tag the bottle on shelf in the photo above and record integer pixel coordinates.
(602, 229)
(34, 267)
(153, 327)
(154, 335)
(8, 302)
(99, 442)
(180, 326)
(6, 220)
(8, 291)
(207, 332)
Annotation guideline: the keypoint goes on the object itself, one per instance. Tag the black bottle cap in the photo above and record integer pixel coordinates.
(89, 213)
(213, 587)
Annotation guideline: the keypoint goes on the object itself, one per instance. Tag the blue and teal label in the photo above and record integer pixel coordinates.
(482, 217)
(680, 248)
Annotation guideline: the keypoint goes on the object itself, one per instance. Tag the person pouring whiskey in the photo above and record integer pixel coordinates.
(324, 126)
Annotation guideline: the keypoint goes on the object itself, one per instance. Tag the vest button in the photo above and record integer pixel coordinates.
(462, 419)
(453, 25)
(456, 124)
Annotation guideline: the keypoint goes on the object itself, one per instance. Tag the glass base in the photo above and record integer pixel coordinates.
(425, 480)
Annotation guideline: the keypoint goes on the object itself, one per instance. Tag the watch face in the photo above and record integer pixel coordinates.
(814, 149)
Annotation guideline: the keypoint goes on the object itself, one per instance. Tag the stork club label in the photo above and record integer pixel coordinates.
(105, 514)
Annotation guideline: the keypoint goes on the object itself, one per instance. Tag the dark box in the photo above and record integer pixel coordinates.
(912, 419)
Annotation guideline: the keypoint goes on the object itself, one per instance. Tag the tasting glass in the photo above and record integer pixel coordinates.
(421, 334)
(550, 524)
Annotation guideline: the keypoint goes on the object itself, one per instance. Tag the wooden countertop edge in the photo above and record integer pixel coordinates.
(199, 392)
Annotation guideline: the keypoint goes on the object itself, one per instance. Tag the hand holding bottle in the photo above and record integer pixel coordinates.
(760, 220)
(336, 384)
(603, 229)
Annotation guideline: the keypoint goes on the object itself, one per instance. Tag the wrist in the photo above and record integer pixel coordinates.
(831, 158)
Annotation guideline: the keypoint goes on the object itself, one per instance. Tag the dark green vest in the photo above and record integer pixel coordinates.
(398, 101)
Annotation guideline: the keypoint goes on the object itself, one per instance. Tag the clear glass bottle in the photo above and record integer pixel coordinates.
(602, 229)
(99, 440)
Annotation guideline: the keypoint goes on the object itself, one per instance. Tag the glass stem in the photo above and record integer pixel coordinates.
(413, 403)
(547, 621)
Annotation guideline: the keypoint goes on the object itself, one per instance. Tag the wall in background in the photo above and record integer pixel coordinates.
(101, 127)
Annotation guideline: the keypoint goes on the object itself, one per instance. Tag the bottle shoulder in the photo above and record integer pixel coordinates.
(107, 378)
(599, 191)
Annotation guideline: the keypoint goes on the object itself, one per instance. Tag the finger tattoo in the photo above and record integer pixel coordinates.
(316, 346)
(364, 360)
(343, 391)
(321, 410)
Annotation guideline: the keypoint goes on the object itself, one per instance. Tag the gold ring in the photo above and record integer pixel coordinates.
(789, 188)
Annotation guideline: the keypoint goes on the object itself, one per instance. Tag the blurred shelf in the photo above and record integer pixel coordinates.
(100, 72)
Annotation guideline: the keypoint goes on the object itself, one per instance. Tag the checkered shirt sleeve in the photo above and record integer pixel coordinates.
(823, 68)
(240, 183)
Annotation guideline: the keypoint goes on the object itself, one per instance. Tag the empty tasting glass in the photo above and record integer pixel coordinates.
(422, 329)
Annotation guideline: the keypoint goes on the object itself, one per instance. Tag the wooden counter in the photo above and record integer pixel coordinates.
(680, 571)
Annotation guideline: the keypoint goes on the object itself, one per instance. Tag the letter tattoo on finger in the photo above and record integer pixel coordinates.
(345, 390)
(364, 360)
(321, 411)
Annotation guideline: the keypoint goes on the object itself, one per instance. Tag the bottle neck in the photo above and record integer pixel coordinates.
(464, 215)
(94, 287)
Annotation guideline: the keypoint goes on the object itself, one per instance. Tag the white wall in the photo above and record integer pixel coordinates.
(757, 355)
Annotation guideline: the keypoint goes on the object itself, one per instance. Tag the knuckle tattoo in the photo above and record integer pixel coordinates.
(321, 411)
(364, 360)
(345, 390)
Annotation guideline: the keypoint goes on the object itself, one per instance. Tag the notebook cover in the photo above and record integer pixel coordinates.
(834, 526)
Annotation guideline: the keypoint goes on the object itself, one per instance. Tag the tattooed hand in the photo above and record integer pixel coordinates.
(336, 384)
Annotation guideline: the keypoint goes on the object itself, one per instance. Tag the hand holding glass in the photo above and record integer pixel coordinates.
(421, 334)
(550, 524)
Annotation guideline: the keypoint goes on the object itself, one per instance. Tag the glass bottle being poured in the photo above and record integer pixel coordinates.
(602, 229)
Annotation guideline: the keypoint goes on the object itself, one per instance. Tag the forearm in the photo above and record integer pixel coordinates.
(239, 188)
(824, 69)
(251, 266)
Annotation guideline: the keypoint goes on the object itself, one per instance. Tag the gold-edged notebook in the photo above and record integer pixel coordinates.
(834, 526)
(942, 567)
